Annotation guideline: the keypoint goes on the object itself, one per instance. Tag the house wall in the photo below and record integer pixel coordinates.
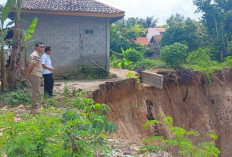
(75, 41)
(151, 32)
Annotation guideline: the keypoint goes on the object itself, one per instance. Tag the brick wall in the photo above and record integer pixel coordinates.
(75, 40)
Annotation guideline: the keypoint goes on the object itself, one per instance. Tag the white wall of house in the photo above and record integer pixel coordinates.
(151, 32)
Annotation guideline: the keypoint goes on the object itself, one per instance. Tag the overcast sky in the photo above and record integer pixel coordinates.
(161, 9)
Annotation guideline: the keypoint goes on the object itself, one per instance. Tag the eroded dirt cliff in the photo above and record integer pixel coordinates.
(187, 97)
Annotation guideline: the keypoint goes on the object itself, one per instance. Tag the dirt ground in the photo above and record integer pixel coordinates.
(90, 85)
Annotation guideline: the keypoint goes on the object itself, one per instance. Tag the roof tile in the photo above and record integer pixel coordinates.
(142, 40)
(89, 6)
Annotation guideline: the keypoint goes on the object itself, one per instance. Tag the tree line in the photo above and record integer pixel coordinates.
(213, 31)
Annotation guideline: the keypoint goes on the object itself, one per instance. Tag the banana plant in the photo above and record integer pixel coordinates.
(3, 32)
(27, 35)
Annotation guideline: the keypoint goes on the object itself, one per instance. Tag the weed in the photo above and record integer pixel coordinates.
(66, 90)
(181, 141)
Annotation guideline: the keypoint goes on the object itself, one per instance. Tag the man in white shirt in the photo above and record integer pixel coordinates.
(47, 72)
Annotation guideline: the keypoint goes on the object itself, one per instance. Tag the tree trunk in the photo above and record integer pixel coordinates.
(4, 84)
(16, 69)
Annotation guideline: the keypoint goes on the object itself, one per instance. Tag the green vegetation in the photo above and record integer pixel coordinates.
(204, 45)
(180, 140)
(174, 55)
(80, 131)
(132, 59)
(132, 55)
(181, 31)
(16, 97)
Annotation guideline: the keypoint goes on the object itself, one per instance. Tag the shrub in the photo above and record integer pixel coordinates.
(200, 57)
(133, 55)
(174, 55)
(17, 97)
(227, 62)
(200, 60)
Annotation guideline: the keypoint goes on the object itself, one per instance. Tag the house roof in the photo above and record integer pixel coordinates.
(142, 40)
(71, 7)
(162, 30)
(157, 38)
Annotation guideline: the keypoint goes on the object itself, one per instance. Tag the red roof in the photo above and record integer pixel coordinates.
(142, 40)
(162, 30)
(157, 38)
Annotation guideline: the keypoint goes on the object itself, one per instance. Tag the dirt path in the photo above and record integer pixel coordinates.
(90, 85)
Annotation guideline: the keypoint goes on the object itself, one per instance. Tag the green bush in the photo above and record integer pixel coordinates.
(201, 58)
(133, 55)
(174, 55)
(227, 62)
(17, 97)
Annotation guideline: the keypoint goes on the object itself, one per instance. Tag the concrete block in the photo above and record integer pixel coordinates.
(153, 79)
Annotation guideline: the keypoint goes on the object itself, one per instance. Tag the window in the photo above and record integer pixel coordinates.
(86, 31)
(89, 31)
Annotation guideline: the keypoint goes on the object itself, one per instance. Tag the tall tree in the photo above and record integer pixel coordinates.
(184, 32)
(148, 22)
(124, 32)
(217, 18)
(175, 20)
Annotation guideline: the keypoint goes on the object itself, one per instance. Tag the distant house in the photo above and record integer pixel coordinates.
(77, 30)
(155, 31)
(152, 40)
(155, 45)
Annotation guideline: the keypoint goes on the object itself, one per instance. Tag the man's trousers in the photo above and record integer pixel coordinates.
(48, 84)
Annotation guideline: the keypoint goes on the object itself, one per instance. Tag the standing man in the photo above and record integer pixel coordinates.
(34, 74)
(47, 72)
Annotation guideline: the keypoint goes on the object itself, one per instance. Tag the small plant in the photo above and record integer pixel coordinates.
(180, 140)
(66, 90)
(17, 97)
(132, 75)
